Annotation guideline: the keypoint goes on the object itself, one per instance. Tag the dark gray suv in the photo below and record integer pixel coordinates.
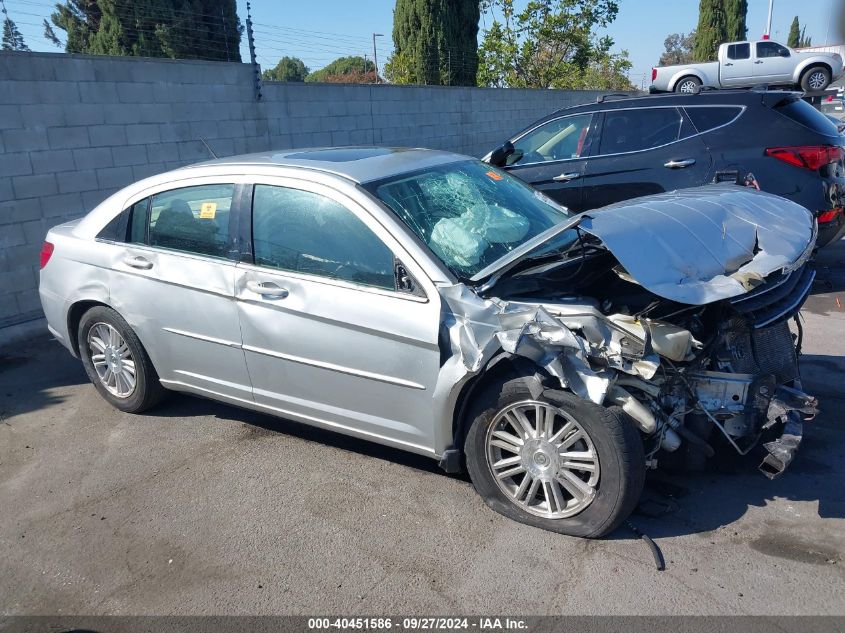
(593, 155)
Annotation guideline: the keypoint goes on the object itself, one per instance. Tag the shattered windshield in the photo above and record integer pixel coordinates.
(469, 213)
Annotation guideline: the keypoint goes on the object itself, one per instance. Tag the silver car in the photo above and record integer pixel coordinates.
(431, 302)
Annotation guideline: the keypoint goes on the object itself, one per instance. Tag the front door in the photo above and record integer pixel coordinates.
(774, 64)
(328, 336)
(173, 283)
(551, 158)
(644, 151)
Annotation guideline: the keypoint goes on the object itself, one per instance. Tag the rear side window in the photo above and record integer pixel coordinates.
(190, 219)
(708, 118)
(739, 51)
(305, 232)
(634, 130)
(804, 114)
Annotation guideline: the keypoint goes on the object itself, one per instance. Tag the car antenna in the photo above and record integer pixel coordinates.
(208, 147)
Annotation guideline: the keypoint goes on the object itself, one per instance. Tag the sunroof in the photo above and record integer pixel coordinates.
(341, 155)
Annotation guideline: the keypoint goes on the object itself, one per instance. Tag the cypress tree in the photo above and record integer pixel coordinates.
(438, 39)
(12, 38)
(794, 34)
(711, 30)
(735, 14)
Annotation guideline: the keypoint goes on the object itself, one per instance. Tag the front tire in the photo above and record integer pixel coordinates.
(556, 462)
(116, 362)
(815, 78)
(688, 85)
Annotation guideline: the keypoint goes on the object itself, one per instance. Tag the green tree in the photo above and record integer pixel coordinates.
(435, 42)
(182, 29)
(288, 69)
(12, 38)
(353, 66)
(550, 44)
(679, 47)
(736, 12)
(711, 31)
(794, 33)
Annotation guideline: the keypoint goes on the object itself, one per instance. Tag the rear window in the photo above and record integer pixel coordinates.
(804, 114)
(707, 118)
(635, 130)
(739, 51)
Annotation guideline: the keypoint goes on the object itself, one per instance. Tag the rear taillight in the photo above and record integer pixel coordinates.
(807, 156)
(653, 74)
(46, 253)
(829, 216)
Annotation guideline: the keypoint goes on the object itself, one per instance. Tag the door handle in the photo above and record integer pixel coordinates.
(758, 62)
(678, 164)
(267, 289)
(138, 262)
(567, 177)
(728, 64)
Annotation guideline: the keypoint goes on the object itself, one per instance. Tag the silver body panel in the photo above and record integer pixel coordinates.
(378, 364)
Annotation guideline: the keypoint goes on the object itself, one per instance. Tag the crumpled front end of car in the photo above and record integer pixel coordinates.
(679, 315)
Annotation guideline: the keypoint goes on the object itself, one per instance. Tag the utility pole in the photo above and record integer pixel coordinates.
(769, 21)
(375, 53)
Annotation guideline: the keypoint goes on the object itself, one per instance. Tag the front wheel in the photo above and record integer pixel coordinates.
(817, 78)
(556, 462)
(116, 362)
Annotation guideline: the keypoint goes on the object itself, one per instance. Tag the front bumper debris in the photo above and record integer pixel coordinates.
(793, 407)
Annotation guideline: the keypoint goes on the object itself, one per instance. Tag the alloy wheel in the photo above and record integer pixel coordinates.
(542, 459)
(817, 80)
(112, 360)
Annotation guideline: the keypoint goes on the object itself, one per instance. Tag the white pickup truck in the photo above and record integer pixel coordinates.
(745, 64)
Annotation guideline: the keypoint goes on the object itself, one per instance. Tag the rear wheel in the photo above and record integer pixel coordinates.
(688, 85)
(116, 362)
(816, 78)
(556, 462)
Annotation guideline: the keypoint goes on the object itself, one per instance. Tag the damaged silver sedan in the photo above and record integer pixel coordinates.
(429, 302)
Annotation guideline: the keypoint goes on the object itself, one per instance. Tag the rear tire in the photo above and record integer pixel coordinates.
(116, 362)
(615, 482)
(815, 78)
(688, 85)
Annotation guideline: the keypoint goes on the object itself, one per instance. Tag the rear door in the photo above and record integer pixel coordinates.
(552, 157)
(774, 63)
(173, 281)
(329, 337)
(737, 68)
(643, 151)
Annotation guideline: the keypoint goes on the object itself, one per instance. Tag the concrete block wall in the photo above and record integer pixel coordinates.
(74, 129)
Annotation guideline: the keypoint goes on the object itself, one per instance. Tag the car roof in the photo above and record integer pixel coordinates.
(359, 164)
(705, 97)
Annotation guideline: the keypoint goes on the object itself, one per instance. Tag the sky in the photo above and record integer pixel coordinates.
(319, 31)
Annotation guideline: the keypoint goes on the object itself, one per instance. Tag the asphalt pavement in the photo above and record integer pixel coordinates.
(202, 508)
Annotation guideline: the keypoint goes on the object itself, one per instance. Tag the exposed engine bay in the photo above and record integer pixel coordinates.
(616, 322)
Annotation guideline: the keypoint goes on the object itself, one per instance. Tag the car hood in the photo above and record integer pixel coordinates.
(705, 244)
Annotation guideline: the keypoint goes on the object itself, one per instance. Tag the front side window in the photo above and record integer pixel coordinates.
(635, 130)
(306, 232)
(468, 213)
(189, 219)
(771, 49)
(560, 139)
(739, 51)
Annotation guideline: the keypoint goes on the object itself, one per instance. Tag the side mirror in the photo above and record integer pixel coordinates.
(499, 156)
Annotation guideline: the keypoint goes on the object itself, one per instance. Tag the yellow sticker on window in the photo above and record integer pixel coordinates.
(493, 175)
(208, 210)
